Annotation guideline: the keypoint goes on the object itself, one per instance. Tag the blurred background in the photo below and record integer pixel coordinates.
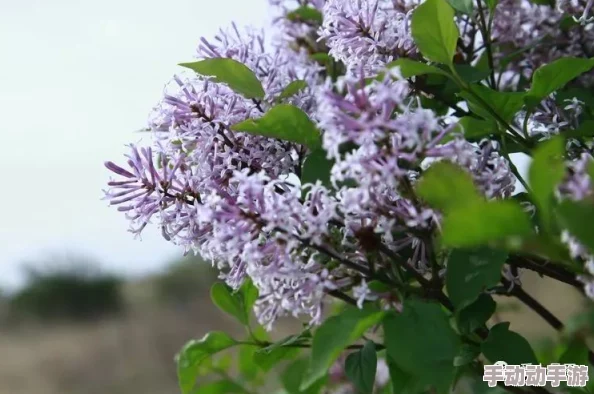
(85, 308)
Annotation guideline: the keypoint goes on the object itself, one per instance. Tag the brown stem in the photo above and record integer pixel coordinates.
(537, 307)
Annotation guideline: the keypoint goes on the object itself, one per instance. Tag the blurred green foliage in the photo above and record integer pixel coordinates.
(73, 288)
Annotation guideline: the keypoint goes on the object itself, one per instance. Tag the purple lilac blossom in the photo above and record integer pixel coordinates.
(368, 33)
(577, 187)
(229, 195)
(523, 24)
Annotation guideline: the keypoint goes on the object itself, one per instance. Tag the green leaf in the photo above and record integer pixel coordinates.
(477, 129)
(284, 122)
(305, 14)
(471, 271)
(446, 186)
(229, 302)
(491, 4)
(403, 382)
(421, 342)
(267, 360)
(317, 168)
(292, 377)
(321, 57)
(334, 335)
(249, 295)
(360, 368)
(482, 223)
(575, 353)
(247, 367)
(546, 172)
(231, 72)
(293, 88)
(471, 74)
(505, 345)
(577, 217)
(411, 68)
(434, 30)
(555, 75)
(468, 353)
(505, 104)
(463, 6)
(197, 351)
(476, 314)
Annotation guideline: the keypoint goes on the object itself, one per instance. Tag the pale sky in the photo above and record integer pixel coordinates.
(77, 78)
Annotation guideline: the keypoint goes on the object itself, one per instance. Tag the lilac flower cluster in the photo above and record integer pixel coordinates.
(368, 33)
(236, 199)
(578, 187)
(543, 33)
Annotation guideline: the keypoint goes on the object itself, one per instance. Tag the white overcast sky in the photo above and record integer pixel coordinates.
(76, 79)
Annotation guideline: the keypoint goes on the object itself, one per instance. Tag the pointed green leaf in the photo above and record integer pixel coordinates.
(292, 376)
(575, 353)
(284, 122)
(293, 88)
(237, 304)
(403, 382)
(247, 367)
(553, 76)
(477, 129)
(476, 314)
(446, 186)
(267, 360)
(472, 271)
(317, 168)
(471, 74)
(482, 223)
(463, 6)
(505, 345)
(421, 342)
(411, 68)
(434, 30)
(505, 104)
(197, 351)
(334, 335)
(230, 72)
(360, 368)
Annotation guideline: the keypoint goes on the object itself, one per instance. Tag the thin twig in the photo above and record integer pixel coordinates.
(537, 307)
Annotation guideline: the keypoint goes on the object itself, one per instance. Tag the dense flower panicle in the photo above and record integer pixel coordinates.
(524, 24)
(367, 33)
(552, 118)
(578, 186)
(235, 198)
(257, 231)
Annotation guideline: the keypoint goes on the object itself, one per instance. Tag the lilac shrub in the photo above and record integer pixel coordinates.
(355, 172)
